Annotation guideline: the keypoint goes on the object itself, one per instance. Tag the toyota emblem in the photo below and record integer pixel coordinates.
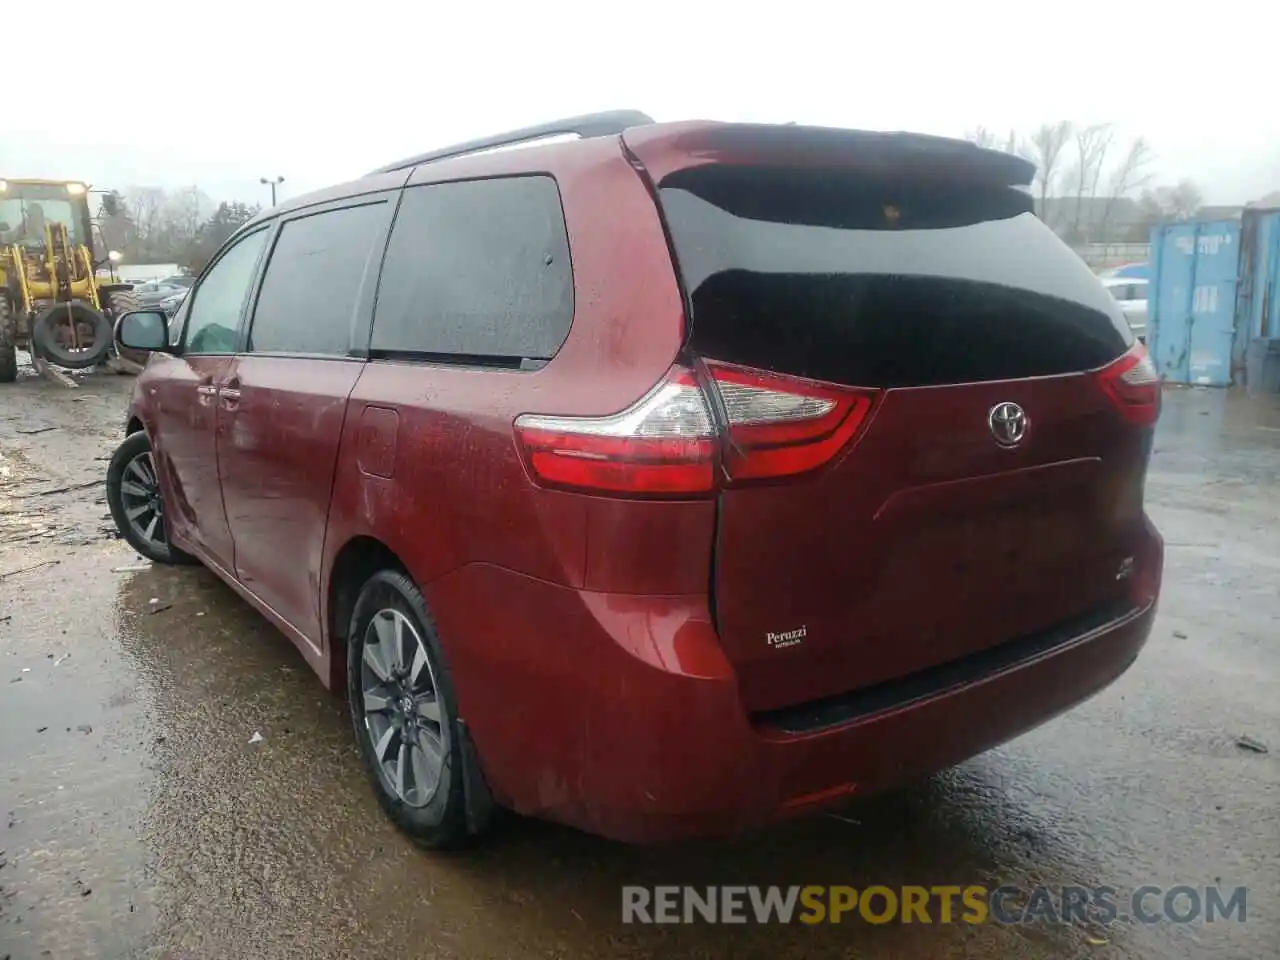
(1008, 423)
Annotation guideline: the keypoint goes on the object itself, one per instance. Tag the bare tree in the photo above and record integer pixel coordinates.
(1092, 144)
(1044, 148)
(183, 213)
(1131, 174)
(1185, 199)
(985, 137)
(981, 136)
(145, 206)
(1179, 202)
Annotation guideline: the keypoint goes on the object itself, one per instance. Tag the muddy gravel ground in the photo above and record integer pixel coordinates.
(137, 818)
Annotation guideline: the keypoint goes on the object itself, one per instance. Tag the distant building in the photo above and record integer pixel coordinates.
(1096, 219)
(1220, 212)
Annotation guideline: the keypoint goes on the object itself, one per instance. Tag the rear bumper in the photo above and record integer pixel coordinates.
(620, 715)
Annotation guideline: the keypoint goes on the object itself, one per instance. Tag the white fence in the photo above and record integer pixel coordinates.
(1099, 255)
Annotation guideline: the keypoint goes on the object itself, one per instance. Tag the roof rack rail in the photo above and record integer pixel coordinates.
(603, 124)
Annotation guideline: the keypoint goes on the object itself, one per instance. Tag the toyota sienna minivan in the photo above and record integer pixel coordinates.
(663, 481)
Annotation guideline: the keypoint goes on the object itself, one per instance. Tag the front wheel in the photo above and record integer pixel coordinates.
(137, 506)
(404, 712)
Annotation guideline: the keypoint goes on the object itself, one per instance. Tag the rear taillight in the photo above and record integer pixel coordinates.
(781, 426)
(667, 444)
(1133, 385)
(662, 445)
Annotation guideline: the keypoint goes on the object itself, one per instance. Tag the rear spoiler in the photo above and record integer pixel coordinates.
(666, 148)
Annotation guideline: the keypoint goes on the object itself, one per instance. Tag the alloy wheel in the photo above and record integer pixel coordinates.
(140, 497)
(403, 717)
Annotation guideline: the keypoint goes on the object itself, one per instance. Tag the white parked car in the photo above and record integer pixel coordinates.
(1131, 294)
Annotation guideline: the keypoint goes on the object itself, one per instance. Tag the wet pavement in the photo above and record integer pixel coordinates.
(137, 818)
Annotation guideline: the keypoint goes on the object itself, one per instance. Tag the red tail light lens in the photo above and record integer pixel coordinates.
(662, 445)
(666, 444)
(782, 426)
(1133, 386)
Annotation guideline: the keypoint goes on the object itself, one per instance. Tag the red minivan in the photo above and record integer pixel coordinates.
(664, 481)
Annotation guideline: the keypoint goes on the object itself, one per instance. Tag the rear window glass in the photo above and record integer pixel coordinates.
(477, 269)
(882, 283)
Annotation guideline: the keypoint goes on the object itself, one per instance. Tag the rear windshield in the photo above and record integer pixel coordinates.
(881, 283)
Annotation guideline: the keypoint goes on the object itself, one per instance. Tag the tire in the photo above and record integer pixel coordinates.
(121, 475)
(432, 815)
(120, 302)
(8, 350)
(44, 339)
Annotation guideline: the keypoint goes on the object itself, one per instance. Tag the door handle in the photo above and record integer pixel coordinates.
(229, 392)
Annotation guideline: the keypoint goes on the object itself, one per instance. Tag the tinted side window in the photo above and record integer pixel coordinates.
(213, 320)
(312, 282)
(477, 269)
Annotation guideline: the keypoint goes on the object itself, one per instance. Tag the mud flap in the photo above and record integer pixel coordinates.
(479, 799)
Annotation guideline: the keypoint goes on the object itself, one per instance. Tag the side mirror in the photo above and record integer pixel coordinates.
(143, 330)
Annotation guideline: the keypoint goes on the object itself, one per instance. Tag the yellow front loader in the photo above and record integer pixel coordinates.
(52, 303)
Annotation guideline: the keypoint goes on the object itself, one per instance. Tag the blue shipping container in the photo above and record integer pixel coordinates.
(1260, 275)
(1192, 301)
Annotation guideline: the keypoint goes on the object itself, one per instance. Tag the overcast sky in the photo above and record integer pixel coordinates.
(320, 93)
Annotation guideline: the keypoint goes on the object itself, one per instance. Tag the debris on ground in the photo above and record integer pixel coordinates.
(1179, 634)
(257, 737)
(135, 568)
(66, 489)
(1246, 742)
(85, 728)
(34, 566)
(158, 606)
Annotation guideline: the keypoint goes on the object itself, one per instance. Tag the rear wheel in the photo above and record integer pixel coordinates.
(137, 506)
(8, 350)
(404, 712)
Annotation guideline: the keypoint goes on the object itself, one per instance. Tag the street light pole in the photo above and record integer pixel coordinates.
(272, 184)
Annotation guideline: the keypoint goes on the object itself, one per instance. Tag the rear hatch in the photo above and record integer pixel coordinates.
(986, 482)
